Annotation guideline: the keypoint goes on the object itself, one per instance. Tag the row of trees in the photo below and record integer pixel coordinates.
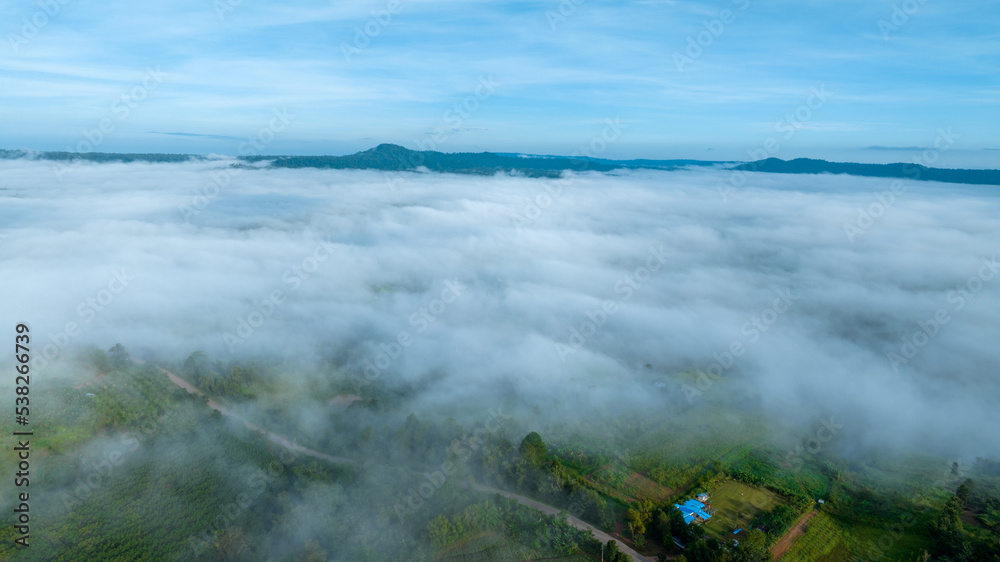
(235, 382)
(954, 541)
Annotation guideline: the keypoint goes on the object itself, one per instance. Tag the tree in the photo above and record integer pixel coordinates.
(752, 548)
(678, 527)
(952, 542)
(710, 550)
(229, 544)
(440, 531)
(118, 356)
(662, 525)
(964, 491)
(612, 554)
(533, 449)
(780, 518)
(638, 518)
(100, 360)
(235, 380)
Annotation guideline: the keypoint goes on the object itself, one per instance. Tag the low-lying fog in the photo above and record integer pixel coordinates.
(592, 291)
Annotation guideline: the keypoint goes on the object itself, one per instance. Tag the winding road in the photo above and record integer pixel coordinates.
(579, 524)
(273, 437)
(288, 444)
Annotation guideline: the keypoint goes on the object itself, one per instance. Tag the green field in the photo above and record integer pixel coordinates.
(828, 539)
(618, 473)
(486, 547)
(628, 486)
(736, 505)
(822, 542)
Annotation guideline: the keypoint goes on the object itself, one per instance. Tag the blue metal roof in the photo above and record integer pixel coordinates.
(692, 509)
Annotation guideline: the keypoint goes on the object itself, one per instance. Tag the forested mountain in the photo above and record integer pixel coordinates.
(899, 170)
(394, 157)
(391, 157)
(99, 156)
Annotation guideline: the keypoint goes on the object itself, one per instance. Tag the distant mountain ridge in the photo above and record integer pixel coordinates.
(636, 163)
(395, 157)
(391, 157)
(98, 156)
(898, 170)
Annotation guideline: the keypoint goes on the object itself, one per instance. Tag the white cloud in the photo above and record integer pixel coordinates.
(395, 239)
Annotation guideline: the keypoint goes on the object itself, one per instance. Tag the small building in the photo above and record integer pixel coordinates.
(738, 535)
(693, 510)
(703, 498)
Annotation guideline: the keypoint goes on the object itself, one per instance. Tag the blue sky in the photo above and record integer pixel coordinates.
(559, 73)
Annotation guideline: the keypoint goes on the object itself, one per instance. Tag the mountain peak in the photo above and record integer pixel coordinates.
(389, 148)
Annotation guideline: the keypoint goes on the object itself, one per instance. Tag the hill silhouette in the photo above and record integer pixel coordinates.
(391, 157)
(394, 157)
(898, 170)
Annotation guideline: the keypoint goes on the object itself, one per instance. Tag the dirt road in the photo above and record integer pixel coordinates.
(548, 509)
(285, 442)
(279, 439)
(797, 530)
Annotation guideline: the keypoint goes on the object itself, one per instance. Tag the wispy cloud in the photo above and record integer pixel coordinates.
(605, 60)
(197, 135)
(898, 148)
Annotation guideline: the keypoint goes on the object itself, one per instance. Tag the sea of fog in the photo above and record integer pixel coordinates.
(873, 300)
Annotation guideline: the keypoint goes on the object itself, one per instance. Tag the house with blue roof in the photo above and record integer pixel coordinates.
(692, 510)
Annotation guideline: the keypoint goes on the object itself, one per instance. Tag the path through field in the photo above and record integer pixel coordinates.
(279, 439)
(797, 530)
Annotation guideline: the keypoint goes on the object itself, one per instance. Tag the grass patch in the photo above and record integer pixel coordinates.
(627, 486)
(736, 505)
(873, 541)
(822, 541)
(828, 539)
(642, 488)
